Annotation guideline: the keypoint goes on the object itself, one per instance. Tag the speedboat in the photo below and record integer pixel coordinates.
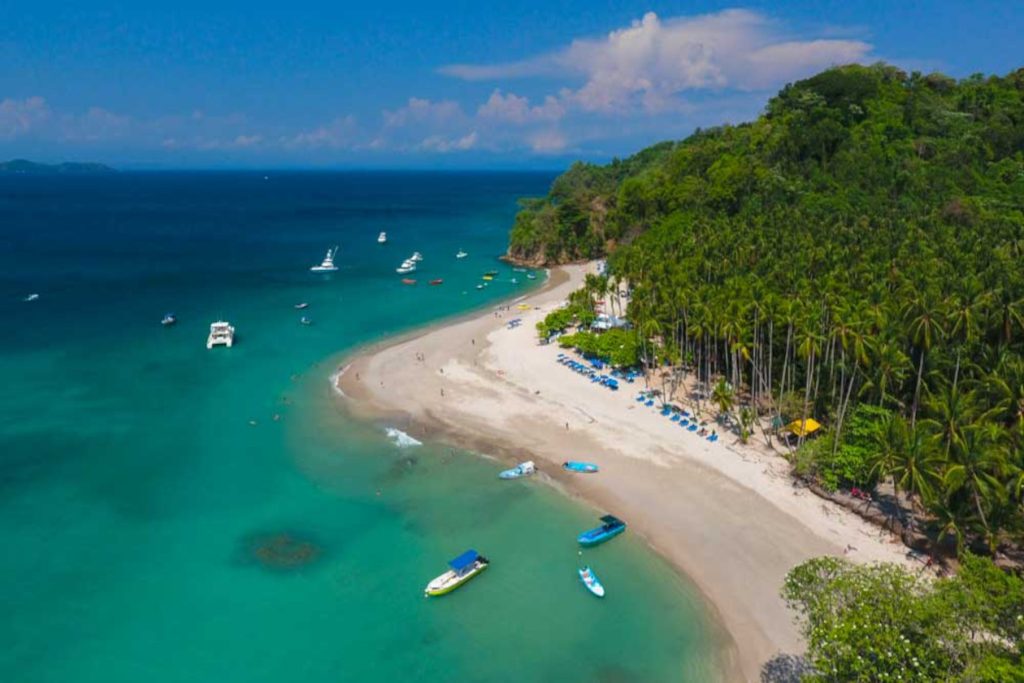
(583, 467)
(416, 257)
(591, 581)
(327, 265)
(519, 270)
(488, 277)
(463, 568)
(437, 281)
(612, 527)
(221, 334)
(408, 281)
(168, 319)
(31, 297)
(523, 469)
(408, 266)
(531, 276)
(479, 286)
(461, 254)
(490, 273)
(382, 238)
(305, 321)
(301, 306)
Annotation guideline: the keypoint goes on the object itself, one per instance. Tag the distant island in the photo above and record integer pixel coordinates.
(26, 167)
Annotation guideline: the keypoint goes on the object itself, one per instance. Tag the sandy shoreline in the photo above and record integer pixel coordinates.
(727, 516)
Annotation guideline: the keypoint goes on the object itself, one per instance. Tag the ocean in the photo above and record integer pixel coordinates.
(170, 513)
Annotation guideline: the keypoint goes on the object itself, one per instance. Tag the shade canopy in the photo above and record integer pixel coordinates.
(464, 560)
(611, 520)
(804, 427)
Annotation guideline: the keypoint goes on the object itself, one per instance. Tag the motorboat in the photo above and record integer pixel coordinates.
(301, 306)
(590, 580)
(488, 277)
(523, 469)
(491, 273)
(462, 569)
(610, 528)
(327, 265)
(437, 281)
(531, 276)
(408, 266)
(479, 286)
(461, 254)
(408, 281)
(221, 334)
(305, 321)
(582, 467)
(31, 297)
(382, 238)
(168, 320)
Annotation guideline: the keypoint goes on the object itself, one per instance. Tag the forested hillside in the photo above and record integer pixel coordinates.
(853, 255)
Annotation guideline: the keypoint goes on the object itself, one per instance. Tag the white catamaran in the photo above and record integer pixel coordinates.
(221, 334)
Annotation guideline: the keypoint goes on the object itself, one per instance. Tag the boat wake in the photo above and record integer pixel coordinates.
(401, 439)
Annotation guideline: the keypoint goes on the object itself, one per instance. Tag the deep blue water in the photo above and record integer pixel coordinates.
(149, 498)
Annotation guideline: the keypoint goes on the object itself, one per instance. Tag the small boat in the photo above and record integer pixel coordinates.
(488, 277)
(463, 568)
(612, 527)
(168, 319)
(491, 273)
(382, 238)
(327, 265)
(301, 306)
(519, 270)
(591, 581)
(305, 321)
(584, 467)
(523, 469)
(408, 266)
(479, 286)
(461, 254)
(531, 276)
(408, 281)
(416, 257)
(31, 297)
(438, 281)
(221, 334)
(515, 281)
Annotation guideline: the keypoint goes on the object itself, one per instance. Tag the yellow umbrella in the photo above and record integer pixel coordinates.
(804, 427)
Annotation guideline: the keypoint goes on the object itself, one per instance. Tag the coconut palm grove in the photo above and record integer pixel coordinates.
(853, 258)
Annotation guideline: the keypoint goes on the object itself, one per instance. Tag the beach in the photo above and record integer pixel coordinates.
(726, 515)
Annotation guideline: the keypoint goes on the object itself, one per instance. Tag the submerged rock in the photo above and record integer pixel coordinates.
(281, 550)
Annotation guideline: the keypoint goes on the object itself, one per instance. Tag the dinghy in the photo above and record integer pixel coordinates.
(463, 568)
(612, 527)
(583, 467)
(521, 470)
(591, 581)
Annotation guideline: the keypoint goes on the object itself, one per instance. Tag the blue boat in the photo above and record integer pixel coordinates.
(584, 467)
(612, 527)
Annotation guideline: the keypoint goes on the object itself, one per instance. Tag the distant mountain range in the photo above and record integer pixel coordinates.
(26, 167)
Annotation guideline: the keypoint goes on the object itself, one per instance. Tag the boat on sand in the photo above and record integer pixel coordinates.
(463, 568)
(582, 467)
(612, 526)
(590, 580)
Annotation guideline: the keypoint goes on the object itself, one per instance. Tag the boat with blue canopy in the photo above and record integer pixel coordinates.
(462, 569)
(612, 527)
(583, 467)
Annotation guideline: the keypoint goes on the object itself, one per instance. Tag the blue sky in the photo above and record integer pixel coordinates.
(444, 84)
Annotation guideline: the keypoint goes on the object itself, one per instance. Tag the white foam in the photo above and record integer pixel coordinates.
(401, 439)
(334, 381)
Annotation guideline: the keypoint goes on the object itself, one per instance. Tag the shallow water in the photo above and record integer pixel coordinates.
(160, 524)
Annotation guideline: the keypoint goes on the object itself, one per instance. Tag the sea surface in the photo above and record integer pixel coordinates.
(169, 513)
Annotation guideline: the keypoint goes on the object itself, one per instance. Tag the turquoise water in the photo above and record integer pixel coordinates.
(159, 524)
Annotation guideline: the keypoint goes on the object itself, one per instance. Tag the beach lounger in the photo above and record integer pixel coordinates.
(675, 418)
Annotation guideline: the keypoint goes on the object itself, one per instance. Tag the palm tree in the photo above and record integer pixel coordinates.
(724, 396)
(924, 328)
(974, 472)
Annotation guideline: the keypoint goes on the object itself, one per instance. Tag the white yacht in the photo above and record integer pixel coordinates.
(461, 254)
(382, 238)
(416, 257)
(327, 266)
(408, 266)
(221, 334)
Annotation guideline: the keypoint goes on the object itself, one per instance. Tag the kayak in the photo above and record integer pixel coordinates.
(584, 467)
(591, 581)
(612, 527)
(520, 470)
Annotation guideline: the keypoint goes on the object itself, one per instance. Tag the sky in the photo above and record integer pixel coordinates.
(444, 84)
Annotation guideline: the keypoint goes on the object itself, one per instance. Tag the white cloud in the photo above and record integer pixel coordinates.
(512, 108)
(337, 134)
(423, 111)
(651, 62)
(547, 141)
(19, 117)
(438, 143)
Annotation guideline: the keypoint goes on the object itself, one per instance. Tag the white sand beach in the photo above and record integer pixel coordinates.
(726, 515)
